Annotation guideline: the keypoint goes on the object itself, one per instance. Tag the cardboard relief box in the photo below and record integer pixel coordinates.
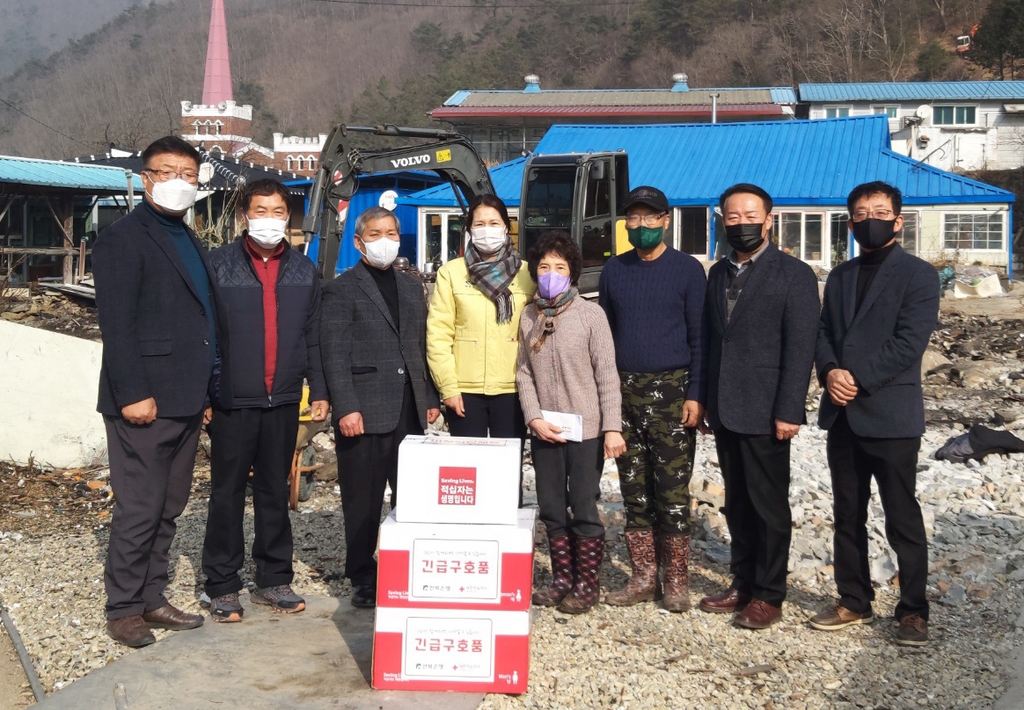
(447, 479)
(434, 649)
(456, 566)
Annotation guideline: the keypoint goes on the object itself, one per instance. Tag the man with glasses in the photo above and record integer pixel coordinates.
(653, 296)
(156, 315)
(878, 314)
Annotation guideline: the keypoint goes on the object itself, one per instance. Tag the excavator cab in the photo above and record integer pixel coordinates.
(579, 193)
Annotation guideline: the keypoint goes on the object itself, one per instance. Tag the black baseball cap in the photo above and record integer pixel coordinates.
(646, 195)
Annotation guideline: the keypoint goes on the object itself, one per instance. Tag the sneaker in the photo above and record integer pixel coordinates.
(839, 617)
(364, 596)
(279, 598)
(913, 631)
(226, 608)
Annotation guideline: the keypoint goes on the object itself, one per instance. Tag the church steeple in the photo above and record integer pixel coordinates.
(217, 80)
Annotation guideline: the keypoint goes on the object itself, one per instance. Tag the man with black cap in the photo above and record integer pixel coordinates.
(761, 321)
(653, 296)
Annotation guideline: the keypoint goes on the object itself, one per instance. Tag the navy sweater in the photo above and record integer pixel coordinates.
(654, 309)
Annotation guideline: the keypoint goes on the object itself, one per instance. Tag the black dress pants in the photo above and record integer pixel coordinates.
(853, 460)
(569, 478)
(365, 465)
(496, 415)
(151, 477)
(756, 473)
(261, 441)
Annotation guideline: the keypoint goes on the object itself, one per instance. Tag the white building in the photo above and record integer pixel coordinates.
(952, 125)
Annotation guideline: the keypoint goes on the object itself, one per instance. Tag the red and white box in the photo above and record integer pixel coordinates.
(438, 566)
(451, 649)
(449, 479)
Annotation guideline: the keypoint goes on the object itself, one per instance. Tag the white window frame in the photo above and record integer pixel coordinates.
(954, 124)
(837, 108)
(985, 213)
(825, 255)
(917, 235)
(884, 108)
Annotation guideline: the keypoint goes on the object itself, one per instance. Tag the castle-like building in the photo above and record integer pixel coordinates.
(224, 128)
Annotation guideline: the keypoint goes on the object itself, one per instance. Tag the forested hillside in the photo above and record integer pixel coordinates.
(304, 64)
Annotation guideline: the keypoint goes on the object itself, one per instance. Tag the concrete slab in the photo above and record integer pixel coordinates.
(1013, 698)
(317, 659)
(48, 385)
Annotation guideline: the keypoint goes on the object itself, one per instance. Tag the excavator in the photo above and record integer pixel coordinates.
(577, 192)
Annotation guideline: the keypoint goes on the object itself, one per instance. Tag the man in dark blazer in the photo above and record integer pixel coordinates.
(760, 319)
(879, 312)
(373, 347)
(157, 319)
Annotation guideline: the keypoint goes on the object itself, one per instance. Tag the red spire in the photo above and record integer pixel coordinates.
(217, 81)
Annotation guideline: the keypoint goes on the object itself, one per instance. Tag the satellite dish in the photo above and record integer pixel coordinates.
(924, 112)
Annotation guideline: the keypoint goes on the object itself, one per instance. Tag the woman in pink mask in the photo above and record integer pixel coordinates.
(569, 390)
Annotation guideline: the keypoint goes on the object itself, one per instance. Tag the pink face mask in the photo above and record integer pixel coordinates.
(552, 285)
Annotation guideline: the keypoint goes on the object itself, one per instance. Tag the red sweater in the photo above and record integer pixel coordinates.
(266, 271)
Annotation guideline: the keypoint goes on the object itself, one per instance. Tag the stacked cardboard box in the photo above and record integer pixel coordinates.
(455, 570)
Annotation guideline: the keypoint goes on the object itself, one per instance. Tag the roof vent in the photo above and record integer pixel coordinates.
(532, 84)
(680, 80)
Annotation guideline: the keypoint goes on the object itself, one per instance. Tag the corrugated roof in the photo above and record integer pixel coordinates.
(507, 179)
(53, 173)
(797, 162)
(225, 170)
(752, 110)
(915, 91)
(623, 97)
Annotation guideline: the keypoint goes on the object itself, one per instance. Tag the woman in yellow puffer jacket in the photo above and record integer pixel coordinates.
(473, 327)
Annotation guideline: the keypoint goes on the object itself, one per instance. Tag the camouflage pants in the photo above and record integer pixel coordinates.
(654, 473)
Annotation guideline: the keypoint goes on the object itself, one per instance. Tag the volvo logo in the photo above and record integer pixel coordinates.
(409, 162)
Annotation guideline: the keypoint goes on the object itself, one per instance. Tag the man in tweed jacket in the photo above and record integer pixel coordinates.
(373, 347)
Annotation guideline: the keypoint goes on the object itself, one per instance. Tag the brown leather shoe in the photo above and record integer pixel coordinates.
(758, 615)
(727, 602)
(838, 617)
(130, 631)
(168, 617)
(913, 631)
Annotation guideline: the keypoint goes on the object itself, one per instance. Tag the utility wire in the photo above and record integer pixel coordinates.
(9, 105)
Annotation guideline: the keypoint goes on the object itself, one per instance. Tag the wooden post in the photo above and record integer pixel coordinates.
(67, 225)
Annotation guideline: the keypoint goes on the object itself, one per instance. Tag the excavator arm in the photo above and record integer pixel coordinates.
(448, 154)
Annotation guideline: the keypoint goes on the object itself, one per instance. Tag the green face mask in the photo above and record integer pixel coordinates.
(645, 237)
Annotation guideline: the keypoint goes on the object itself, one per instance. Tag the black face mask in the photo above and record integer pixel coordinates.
(744, 237)
(874, 233)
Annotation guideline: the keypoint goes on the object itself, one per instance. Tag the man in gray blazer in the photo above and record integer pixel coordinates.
(760, 320)
(879, 312)
(373, 345)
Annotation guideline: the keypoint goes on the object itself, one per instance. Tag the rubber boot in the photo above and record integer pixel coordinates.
(561, 571)
(643, 558)
(589, 553)
(675, 561)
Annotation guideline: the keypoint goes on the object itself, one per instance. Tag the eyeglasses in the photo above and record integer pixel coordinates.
(861, 215)
(651, 220)
(165, 175)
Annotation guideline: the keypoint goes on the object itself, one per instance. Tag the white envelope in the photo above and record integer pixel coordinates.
(570, 424)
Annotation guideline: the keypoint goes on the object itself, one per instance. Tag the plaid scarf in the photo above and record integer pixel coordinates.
(494, 277)
(550, 309)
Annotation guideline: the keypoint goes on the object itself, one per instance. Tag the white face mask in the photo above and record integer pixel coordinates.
(267, 232)
(488, 240)
(382, 252)
(175, 195)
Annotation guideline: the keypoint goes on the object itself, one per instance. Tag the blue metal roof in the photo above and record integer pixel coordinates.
(507, 179)
(798, 162)
(915, 91)
(52, 173)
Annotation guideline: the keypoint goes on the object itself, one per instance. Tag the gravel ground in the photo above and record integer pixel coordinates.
(53, 537)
